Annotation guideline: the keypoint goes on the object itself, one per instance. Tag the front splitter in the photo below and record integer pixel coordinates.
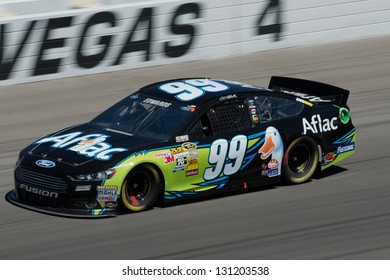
(13, 198)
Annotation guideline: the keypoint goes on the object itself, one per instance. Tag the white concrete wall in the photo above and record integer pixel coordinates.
(140, 34)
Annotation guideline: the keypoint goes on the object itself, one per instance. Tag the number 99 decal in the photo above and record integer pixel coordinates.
(191, 89)
(226, 158)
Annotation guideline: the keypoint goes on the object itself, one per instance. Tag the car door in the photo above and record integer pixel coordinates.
(226, 138)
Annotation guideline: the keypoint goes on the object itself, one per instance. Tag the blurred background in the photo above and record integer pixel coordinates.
(27, 7)
(63, 62)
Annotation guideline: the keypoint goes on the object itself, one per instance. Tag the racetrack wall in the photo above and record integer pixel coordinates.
(148, 33)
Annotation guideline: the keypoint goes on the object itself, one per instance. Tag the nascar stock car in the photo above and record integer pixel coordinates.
(186, 138)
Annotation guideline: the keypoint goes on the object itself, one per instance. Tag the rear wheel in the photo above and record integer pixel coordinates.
(141, 189)
(300, 160)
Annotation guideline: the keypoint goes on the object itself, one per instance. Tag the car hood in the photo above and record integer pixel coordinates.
(84, 143)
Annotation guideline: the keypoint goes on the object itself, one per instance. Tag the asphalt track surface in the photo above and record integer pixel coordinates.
(343, 214)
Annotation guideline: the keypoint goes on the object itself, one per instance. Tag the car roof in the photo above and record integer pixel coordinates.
(154, 90)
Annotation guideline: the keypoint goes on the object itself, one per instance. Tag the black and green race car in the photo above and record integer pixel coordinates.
(183, 139)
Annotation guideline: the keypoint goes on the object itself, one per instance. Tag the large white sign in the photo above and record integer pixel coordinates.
(110, 38)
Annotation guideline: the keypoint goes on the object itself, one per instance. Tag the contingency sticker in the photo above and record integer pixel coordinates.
(253, 111)
(107, 193)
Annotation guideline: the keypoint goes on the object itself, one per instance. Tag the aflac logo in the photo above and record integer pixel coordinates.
(45, 163)
(91, 145)
(318, 125)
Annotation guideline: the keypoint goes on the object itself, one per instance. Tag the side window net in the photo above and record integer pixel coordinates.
(196, 131)
(200, 129)
(229, 117)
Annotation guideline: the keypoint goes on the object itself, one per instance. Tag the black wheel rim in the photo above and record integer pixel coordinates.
(298, 159)
(138, 187)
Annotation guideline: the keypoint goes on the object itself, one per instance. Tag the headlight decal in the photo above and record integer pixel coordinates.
(96, 176)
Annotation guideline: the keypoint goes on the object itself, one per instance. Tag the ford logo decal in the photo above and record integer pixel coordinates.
(45, 163)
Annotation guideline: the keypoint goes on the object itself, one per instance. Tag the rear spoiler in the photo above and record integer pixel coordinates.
(309, 90)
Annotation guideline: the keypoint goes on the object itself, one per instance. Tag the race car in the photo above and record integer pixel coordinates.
(184, 139)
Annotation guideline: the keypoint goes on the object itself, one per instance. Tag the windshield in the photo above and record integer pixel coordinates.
(144, 116)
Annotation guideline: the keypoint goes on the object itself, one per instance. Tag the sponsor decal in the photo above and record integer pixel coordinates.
(318, 125)
(110, 204)
(183, 154)
(178, 168)
(91, 145)
(169, 159)
(182, 138)
(107, 193)
(273, 172)
(194, 161)
(181, 161)
(188, 160)
(189, 108)
(273, 163)
(157, 102)
(304, 102)
(185, 147)
(176, 150)
(38, 191)
(227, 97)
(45, 163)
(305, 96)
(270, 172)
(193, 154)
(271, 153)
(162, 154)
(186, 108)
(189, 146)
(346, 148)
(192, 166)
(329, 157)
(105, 198)
(192, 172)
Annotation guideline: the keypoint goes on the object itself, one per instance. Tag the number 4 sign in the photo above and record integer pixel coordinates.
(275, 28)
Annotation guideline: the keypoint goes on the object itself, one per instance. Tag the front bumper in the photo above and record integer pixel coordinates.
(52, 192)
(14, 198)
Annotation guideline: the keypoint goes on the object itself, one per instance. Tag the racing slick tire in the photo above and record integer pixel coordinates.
(141, 189)
(300, 160)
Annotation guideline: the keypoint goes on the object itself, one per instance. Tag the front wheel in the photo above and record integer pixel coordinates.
(300, 160)
(141, 189)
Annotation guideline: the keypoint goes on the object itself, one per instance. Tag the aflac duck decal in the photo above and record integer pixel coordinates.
(272, 152)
